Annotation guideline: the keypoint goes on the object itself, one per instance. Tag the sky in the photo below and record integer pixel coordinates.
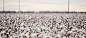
(43, 5)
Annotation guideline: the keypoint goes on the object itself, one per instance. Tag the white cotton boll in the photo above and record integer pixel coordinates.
(54, 28)
(4, 21)
(59, 36)
(62, 31)
(72, 29)
(30, 17)
(43, 27)
(10, 37)
(22, 24)
(27, 34)
(83, 30)
(74, 19)
(32, 20)
(61, 26)
(39, 30)
(41, 35)
(36, 23)
(9, 30)
(64, 37)
(2, 31)
(44, 36)
(34, 34)
(83, 36)
(69, 31)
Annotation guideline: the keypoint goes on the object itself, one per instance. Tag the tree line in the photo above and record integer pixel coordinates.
(40, 12)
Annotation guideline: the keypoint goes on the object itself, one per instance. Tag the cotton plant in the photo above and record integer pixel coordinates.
(42, 26)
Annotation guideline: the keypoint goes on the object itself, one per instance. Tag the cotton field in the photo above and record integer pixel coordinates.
(42, 25)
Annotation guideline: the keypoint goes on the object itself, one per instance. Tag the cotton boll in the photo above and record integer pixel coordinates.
(69, 31)
(63, 32)
(34, 34)
(64, 37)
(49, 29)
